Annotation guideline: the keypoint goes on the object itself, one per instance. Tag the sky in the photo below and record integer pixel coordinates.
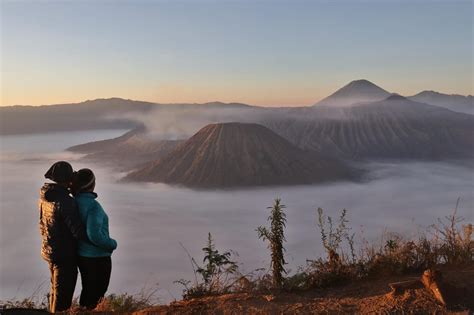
(269, 53)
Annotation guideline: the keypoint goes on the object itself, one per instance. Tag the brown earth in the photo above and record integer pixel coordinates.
(372, 296)
(364, 297)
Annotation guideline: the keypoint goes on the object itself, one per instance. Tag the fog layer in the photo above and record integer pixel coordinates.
(150, 220)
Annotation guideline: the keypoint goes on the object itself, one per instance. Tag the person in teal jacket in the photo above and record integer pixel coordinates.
(95, 263)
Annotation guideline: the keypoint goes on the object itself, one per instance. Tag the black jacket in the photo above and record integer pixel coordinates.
(60, 224)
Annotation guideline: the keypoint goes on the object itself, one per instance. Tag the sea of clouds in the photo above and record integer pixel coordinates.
(150, 221)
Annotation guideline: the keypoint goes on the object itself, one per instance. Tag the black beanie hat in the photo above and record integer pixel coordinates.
(83, 179)
(60, 172)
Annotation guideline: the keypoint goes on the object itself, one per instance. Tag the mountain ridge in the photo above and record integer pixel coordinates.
(119, 113)
(455, 102)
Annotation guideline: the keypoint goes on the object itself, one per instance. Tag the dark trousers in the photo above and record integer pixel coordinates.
(63, 283)
(95, 277)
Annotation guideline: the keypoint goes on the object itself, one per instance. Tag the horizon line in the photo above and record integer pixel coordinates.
(218, 101)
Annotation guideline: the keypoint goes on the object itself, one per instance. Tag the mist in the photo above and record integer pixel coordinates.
(149, 221)
(181, 121)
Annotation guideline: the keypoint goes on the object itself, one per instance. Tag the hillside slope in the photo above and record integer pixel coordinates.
(129, 151)
(393, 128)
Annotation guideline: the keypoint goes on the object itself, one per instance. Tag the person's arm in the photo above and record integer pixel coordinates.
(97, 236)
(71, 218)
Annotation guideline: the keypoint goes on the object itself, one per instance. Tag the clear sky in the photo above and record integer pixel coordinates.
(258, 52)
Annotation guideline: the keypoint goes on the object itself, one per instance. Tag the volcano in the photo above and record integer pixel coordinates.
(228, 155)
(357, 91)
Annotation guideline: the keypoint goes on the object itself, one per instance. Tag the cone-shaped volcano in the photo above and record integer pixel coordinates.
(236, 154)
(355, 92)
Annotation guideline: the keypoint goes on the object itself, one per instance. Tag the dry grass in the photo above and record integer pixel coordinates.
(447, 242)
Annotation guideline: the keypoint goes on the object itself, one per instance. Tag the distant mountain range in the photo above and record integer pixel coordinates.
(238, 155)
(363, 91)
(116, 113)
(112, 113)
(454, 102)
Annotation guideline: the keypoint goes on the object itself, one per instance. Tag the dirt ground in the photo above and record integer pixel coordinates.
(373, 296)
(368, 297)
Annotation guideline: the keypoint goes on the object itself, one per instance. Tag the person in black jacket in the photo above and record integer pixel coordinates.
(61, 228)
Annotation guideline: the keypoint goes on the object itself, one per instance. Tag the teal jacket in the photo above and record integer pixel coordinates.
(97, 227)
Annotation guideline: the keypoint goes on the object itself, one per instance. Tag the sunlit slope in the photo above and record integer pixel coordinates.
(237, 154)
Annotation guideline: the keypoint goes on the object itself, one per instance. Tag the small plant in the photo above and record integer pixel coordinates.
(121, 303)
(339, 266)
(276, 236)
(216, 264)
(391, 245)
(216, 274)
(332, 237)
(456, 245)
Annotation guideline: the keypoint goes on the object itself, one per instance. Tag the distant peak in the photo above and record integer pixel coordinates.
(357, 91)
(361, 82)
(429, 93)
(395, 97)
(361, 86)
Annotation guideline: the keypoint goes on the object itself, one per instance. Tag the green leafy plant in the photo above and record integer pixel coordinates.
(216, 264)
(275, 236)
(216, 273)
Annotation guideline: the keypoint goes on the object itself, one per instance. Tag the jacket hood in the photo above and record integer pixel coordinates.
(53, 192)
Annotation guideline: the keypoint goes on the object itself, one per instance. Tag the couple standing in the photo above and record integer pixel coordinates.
(75, 233)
